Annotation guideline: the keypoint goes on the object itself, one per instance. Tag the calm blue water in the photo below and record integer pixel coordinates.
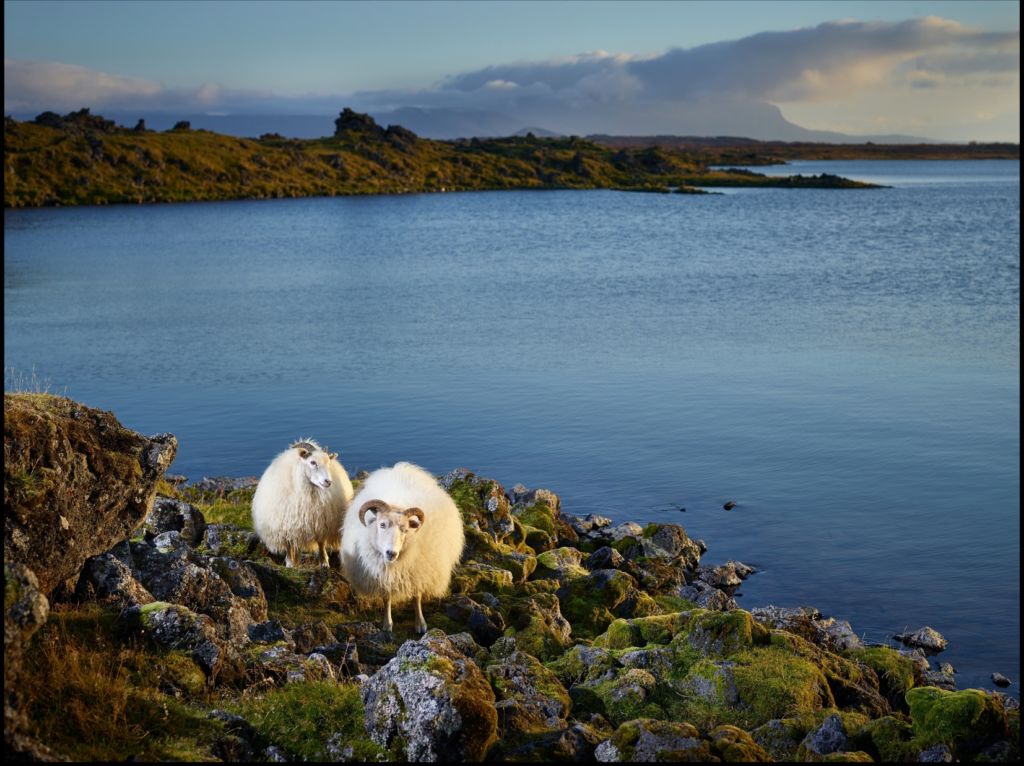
(845, 365)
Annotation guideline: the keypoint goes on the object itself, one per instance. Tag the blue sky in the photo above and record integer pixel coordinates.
(915, 78)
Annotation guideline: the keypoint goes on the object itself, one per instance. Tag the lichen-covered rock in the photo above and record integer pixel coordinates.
(935, 754)
(176, 627)
(229, 540)
(435, 700)
(742, 570)
(830, 737)
(706, 596)
(966, 721)
(243, 581)
(485, 623)
(530, 697)
(287, 667)
(25, 612)
(837, 636)
(939, 679)
(270, 632)
(310, 635)
(714, 682)
(658, 662)
(629, 529)
(583, 663)
(170, 515)
(721, 577)
(884, 739)
(780, 737)
(76, 482)
(733, 744)
(109, 577)
(924, 638)
(647, 740)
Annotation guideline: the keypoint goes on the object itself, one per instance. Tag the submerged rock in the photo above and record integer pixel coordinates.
(76, 482)
(435, 699)
(1000, 680)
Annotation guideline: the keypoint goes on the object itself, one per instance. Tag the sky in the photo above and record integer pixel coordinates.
(934, 69)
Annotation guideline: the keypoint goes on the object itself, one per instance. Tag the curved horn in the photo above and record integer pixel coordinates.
(304, 445)
(373, 505)
(414, 512)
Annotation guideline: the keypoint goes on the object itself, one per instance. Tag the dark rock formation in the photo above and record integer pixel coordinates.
(76, 482)
(182, 125)
(929, 640)
(170, 515)
(349, 120)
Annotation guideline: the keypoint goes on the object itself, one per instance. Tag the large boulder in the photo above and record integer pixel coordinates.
(76, 482)
(530, 697)
(25, 611)
(966, 721)
(435, 699)
(648, 740)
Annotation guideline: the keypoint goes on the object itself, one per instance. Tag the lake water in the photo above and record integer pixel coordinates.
(843, 364)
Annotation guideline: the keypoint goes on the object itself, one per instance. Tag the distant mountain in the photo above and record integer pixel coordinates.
(763, 122)
(538, 132)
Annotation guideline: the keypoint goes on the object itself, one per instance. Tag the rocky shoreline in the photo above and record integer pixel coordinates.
(563, 638)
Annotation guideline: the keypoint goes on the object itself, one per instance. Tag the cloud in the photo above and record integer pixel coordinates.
(600, 91)
(49, 85)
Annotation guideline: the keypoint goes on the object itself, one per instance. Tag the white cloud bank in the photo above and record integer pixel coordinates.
(603, 92)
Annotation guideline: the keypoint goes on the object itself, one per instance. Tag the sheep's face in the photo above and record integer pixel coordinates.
(316, 467)
(390, 527)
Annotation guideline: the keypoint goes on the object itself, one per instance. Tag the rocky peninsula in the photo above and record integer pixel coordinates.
(83, 159)
(144, 620)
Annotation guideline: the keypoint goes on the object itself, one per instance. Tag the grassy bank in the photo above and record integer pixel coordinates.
(81, 159)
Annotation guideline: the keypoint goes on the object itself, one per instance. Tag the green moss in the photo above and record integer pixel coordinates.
(776, 684)
(299, 718)
(538, 516)
(650, 530)
(848, 757)
(672, 604)
(885, 739)
(895, 673)
(951, 718)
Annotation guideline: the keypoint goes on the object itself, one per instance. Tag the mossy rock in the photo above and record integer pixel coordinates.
(780, 738)
(482, 549)
(848, 756)
(622, 634)
(560, 564)
(592, 603)
(474, 577)
(538, 539)
(538, 516)
(528, 694)
(895, 673)
(76, 483)
(646, 740)
(884, 739)
(631, 694)
(732, 744)
(721, 634)
(533, 587)
(964, 720)
(537, 625)
(580, 664)
(775, 684)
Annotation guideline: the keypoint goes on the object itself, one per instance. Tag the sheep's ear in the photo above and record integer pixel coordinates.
(332, 455)
(373, 506)
(415, 517)
(304, 453)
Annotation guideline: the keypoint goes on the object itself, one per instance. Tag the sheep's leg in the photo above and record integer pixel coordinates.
(388, 624)
(421, 624)
(323, 556)
(293, 557)
(288, 555)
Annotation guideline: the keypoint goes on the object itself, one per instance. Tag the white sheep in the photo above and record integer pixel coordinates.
(301, 502)
(402, 538)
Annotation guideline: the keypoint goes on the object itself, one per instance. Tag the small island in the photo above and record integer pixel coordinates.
(84, 159)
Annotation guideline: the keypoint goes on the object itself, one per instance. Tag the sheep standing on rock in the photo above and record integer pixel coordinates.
(402, 538)
(301, 501)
